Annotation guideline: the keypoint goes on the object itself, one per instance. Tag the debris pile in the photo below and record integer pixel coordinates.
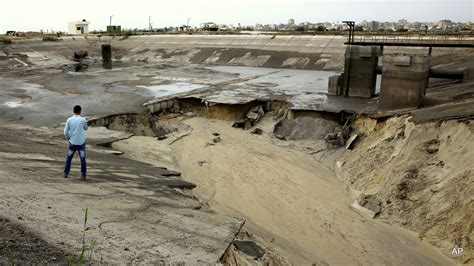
(340, 137)
(253, 116)
(79, 55)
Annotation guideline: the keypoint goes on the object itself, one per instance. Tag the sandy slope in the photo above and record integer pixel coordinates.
(424, 176)
(287, 197)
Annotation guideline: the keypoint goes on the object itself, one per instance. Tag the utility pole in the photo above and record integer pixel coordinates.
(149, 23)
(187, 24)
(111, 20)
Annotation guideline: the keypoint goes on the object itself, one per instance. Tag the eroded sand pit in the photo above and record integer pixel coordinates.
(290, 200)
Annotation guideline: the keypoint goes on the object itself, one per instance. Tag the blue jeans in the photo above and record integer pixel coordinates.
(81, 149)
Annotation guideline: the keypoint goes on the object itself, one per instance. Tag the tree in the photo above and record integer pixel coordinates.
(320, 28)
(402, 30)
(300, 28)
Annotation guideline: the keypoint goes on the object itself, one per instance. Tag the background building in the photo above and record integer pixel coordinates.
(78, 27)
(114, 29)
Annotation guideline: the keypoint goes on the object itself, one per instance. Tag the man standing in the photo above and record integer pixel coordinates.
(74, 131)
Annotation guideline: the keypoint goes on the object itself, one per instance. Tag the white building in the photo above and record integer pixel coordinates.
(78, 27)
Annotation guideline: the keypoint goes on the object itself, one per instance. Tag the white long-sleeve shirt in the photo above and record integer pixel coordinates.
(75, 130)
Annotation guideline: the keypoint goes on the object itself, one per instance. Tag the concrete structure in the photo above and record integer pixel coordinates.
(78, 27)
(335, 86)
(468, 75)
(114, 28)
(106, 52)
(360, 71)
(404, 80)
(107, 56)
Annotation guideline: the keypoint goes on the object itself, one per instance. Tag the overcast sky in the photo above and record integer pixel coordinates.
(23, 15)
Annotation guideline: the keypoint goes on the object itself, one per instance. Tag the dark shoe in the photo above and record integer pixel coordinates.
(65, 176)
(83, 178)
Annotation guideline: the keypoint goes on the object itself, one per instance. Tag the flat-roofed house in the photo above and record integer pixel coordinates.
(78, 27)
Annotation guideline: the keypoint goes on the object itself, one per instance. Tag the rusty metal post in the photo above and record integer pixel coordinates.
(106, 52)
(107, 56)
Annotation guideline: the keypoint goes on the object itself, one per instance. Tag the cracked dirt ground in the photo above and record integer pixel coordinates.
(135, 211)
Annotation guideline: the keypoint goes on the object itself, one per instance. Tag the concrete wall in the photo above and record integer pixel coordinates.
(404, 80)
(359, 70)
(305, 44)
(299, 52)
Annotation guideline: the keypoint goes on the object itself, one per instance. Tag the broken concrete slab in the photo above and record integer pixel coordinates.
(181, 184)
(253, 116)
(131, 206)
(368, 205)
(334, 140)
(454, 110)
(371, 202)
(166, 172)
(350, 141)
(103, 135)
(304, 128)
(255, 113)
(363, 211)
(104, 151)
(250, 248)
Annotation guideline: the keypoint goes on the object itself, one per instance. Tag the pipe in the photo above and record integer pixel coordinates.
(437, 73)
(446, 73)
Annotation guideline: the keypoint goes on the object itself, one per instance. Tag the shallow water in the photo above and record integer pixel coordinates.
(13, 104)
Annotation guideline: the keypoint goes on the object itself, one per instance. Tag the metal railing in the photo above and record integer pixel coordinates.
(413, 40)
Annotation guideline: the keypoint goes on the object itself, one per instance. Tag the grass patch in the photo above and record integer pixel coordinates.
(85, 258)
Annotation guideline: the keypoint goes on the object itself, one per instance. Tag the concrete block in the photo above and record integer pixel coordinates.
(304, 127)
(366, 51)
(403, 85)
(335, 85)
(106, 52)
(359, 71)
(402, 60)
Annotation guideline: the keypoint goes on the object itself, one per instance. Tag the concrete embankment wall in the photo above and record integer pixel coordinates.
(39, 53)
(298, 52)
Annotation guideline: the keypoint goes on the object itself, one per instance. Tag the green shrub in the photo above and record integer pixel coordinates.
(5, 40)
(51, 38)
